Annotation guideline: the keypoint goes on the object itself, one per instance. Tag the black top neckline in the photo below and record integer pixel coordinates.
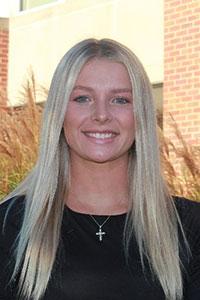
(78, 213)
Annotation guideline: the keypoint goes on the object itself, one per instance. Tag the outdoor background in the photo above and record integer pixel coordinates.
(165, 35)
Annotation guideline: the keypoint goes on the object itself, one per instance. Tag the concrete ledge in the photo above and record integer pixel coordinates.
(4, 23)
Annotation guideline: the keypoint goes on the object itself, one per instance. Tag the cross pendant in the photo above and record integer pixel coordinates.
(100, 234)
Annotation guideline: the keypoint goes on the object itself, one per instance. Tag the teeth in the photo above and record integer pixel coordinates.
(100, 135)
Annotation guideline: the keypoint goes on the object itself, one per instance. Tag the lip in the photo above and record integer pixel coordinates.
(100, 131)
(100, 137)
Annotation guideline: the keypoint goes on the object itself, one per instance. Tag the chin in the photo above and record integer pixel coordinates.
(103, 159)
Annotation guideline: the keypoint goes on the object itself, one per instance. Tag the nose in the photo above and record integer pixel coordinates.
(101, 112)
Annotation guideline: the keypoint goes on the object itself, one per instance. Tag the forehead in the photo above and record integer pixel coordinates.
(103, 71)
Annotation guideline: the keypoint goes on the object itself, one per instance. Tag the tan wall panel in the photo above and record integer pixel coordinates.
(39, 38)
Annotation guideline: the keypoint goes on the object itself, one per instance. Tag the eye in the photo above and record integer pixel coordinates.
(120, 100)
(81, 99)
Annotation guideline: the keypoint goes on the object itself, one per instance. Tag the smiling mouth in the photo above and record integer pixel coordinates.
(102, 136)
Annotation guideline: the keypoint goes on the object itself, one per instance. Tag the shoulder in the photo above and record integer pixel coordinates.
(189, 213)
(12, 206)
(188, 210)
(184, 203)
(11, 214)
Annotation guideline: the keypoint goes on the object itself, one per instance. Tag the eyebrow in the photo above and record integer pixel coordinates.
(120, 90)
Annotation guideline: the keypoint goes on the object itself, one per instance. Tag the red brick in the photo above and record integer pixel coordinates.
(193, 17)
(194, 30)
(186, 99)
(181, 82)
(169, 23)
(193, 43)
(194, 55)
(174, 77)
(181, 70)
(174, 53)
(180, 117)
(169, 60)
(181, 7)
(192, 129)
(181, 57)
(181, 33)
(3, 35)
(197, 36)
(170, 35)
(175, 88)
(188, 74)
(193, 68)
(197, 122)
(3, 58)
(186, 25)
(181, 45)
(175, 3)
(185, 123)
(194, 104)
(192, 117)
(169, 11)
(175, 41)
(197, 22)
(180, 94)
(170, 71)
(187, 38)
(169, 48)
(197, 8)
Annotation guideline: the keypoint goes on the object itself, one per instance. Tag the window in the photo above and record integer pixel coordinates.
(28, 4)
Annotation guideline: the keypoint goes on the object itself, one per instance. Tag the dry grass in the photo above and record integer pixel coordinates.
(181, 165)
(19, 137)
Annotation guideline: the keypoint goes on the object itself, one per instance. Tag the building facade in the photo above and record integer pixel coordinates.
(164, 35)
(4, 53)
(181, 97)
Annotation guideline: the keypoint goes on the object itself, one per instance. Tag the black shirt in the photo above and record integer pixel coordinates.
(89, 269)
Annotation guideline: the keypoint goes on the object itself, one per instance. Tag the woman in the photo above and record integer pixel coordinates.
(94, 219)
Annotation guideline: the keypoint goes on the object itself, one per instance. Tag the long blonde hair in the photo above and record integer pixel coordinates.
(152, 217)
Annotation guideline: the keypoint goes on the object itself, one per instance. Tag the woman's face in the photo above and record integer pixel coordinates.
(99, 121)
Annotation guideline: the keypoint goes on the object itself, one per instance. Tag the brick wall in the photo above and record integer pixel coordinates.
(182, 68)
(4, 36)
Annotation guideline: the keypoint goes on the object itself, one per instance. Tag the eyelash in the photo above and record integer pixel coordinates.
(124, 100)
(80, 98)
(83, 99)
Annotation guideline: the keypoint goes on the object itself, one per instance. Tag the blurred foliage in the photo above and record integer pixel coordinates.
(19, 136)
(181, 164)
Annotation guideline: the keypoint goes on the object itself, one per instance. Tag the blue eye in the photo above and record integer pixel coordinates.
(81, 99)
(120, 100)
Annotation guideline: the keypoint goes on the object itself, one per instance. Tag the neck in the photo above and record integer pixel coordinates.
(98, 188)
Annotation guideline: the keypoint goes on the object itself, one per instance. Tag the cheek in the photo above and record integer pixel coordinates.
(129, 128)
(66, 132)
(72, 124)
(68, 126)
(128, 122)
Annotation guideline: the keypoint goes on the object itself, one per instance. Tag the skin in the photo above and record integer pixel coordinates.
(101, 103)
